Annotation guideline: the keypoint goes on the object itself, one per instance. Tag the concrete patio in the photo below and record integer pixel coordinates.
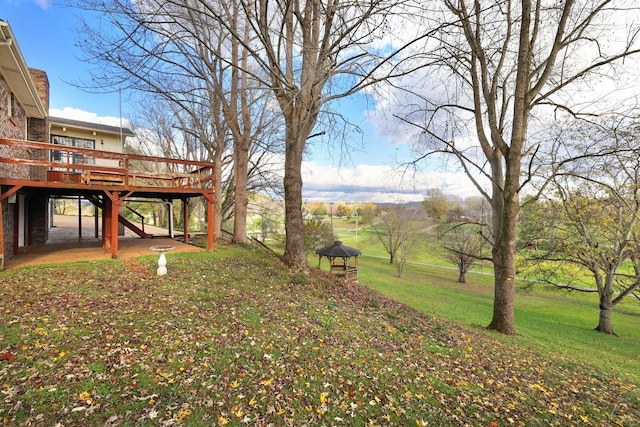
(66, 245)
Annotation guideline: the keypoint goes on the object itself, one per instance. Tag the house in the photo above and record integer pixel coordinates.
(24, 103)
(76, 133)
(42, 158)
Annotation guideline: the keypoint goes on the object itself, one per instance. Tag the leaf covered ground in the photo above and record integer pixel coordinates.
(232, 338)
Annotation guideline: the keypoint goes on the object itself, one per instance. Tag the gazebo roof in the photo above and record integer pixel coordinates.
(338, 250)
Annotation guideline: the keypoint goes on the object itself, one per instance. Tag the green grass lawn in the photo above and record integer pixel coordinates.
(233, 338)
(555, 322)
(425, 251)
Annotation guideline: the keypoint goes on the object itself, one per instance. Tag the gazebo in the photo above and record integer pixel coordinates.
(339, 257)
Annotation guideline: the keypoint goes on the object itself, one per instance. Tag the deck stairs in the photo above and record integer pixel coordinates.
(121, 219)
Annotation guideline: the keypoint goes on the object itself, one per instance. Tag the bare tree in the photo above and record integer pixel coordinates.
(465, 246)
(306, 53)
(176, 51)
(398, 229)
(189, 133)
(590, 226)
(179, 133)
(314, 52)
(406, 249)
(501, 61)
(245, 104)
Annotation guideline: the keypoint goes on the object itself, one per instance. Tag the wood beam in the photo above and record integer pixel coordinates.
(114, 225)
(9, 192)
(79, 218)
(112, 202)
(106, 224)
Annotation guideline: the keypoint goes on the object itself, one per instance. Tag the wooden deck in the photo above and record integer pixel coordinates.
(99, 169)
(60, 170)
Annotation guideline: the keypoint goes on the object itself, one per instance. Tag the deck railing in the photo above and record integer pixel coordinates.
(84, 166)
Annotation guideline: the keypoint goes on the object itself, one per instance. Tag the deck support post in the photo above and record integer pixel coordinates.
(185, 219)
(110, 214)
(95, 214)
(114, 224)
(79, 218)
(106, 224)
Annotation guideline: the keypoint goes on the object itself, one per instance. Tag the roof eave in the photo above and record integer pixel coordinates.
(34, 106)
(78, 124)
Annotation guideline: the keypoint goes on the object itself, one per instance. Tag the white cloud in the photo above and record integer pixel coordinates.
(86, 116)
(378, 183)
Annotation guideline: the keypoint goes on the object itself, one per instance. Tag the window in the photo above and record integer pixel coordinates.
(70, 141)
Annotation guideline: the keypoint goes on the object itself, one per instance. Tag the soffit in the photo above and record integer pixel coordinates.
(16, 73)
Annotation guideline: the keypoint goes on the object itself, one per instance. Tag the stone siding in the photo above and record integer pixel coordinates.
(12, 127)
(19, 126)
(41, 82)
(8, 221)
(38, 130)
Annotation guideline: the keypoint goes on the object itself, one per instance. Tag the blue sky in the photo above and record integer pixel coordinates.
(48, 34)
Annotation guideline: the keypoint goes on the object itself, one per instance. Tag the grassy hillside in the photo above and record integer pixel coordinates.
(232, 338)
(554, 322)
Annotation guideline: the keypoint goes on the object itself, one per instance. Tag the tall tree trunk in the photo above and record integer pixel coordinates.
(605, 294)
(217, 194)
(504, 288)
(462, 276)
(604, 321)
(294, 254)
(241, 160)
(241, 129)
(504, 252)
(508, 207)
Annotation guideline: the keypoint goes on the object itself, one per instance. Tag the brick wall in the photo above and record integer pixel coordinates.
(8, 129)
(38, 130)
(12, 127)
(41, 81)
(18, 126)
(8, 227)
(38, 219)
